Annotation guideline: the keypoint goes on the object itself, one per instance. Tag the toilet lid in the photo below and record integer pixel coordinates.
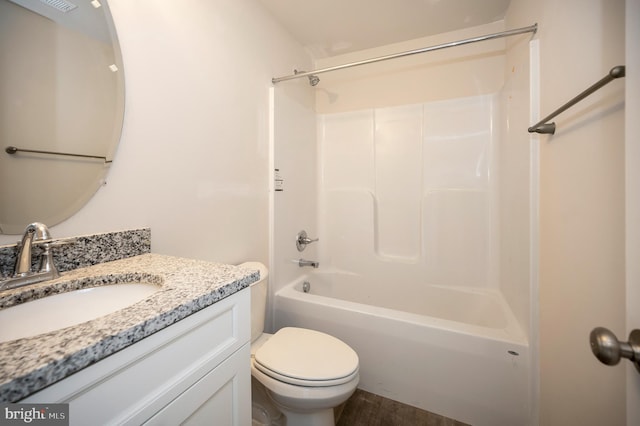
(306, 357)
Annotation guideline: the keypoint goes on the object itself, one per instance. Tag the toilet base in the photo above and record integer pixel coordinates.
(263, 410)
(317, 418)
(304, 406)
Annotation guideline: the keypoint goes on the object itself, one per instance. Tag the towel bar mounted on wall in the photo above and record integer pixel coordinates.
(550, 128)
(13, 150)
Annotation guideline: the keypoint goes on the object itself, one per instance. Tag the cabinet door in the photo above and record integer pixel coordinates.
(221, 398)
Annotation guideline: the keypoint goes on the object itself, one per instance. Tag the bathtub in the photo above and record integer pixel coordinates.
(455, 352)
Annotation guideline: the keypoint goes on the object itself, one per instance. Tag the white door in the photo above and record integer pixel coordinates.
(632, 212)
(632, 170)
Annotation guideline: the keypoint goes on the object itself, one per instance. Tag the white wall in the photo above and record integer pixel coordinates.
(582, 207)
(295, 155)
(193, 160)
(632, 201)
(444, 74)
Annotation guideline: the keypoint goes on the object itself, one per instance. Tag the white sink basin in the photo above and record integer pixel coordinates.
(66, 309)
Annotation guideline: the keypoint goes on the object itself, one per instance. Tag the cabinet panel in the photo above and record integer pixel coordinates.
(221, 398)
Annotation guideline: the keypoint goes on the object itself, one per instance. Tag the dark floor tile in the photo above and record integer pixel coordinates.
(367, 409)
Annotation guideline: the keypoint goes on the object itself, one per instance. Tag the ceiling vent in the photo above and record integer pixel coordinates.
(61, 5)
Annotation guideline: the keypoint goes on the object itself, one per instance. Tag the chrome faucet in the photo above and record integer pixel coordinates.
(34, 232)
(303, 262)
(23, 274)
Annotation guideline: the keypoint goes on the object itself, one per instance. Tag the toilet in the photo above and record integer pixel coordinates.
(305, 373)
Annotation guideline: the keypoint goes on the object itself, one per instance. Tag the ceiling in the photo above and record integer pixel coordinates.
(87, 17)
(334, 27)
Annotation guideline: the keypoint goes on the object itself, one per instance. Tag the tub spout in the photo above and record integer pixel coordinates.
(303, 262)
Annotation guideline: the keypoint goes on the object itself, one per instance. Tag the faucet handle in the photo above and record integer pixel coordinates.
(302, 240)
(46, 261)
(46, 258)
(52, 242)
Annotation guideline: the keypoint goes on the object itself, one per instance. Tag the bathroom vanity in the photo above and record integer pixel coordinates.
(177, 356)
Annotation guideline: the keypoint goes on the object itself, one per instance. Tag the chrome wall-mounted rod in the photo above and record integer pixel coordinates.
(13, 150)
(550, 128)
(530, 29)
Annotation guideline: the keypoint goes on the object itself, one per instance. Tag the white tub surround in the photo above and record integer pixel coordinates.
(425, 195)
(420, 179)
(187, 286)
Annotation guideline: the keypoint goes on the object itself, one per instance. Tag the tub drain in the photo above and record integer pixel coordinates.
(306, 286)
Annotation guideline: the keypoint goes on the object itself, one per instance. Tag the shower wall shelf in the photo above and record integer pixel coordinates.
(13, 150)
(550, 128)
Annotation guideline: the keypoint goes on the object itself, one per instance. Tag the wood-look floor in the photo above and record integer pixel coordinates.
(368, 409)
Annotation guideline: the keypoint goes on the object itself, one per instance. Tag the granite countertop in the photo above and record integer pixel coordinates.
(186, 286)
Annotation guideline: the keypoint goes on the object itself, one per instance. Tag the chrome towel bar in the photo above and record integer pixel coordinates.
(550, 128)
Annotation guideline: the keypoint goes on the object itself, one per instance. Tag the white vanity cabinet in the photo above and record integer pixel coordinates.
(196, 371)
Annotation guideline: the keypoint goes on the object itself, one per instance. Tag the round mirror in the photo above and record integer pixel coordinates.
(61, 107)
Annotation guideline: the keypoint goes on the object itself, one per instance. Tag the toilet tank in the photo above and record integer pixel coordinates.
(258, 298)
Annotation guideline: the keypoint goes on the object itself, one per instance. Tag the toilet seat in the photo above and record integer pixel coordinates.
(305, 357)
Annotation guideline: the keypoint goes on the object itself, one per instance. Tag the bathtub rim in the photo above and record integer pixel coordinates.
(511, 334)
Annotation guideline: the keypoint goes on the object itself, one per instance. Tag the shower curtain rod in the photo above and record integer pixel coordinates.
(299, 74)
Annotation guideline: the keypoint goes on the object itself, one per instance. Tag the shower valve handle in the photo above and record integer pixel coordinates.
(302, 240)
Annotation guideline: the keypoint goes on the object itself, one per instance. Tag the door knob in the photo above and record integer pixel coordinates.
(609, 350)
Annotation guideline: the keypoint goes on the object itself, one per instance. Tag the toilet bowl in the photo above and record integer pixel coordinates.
(305, 373)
